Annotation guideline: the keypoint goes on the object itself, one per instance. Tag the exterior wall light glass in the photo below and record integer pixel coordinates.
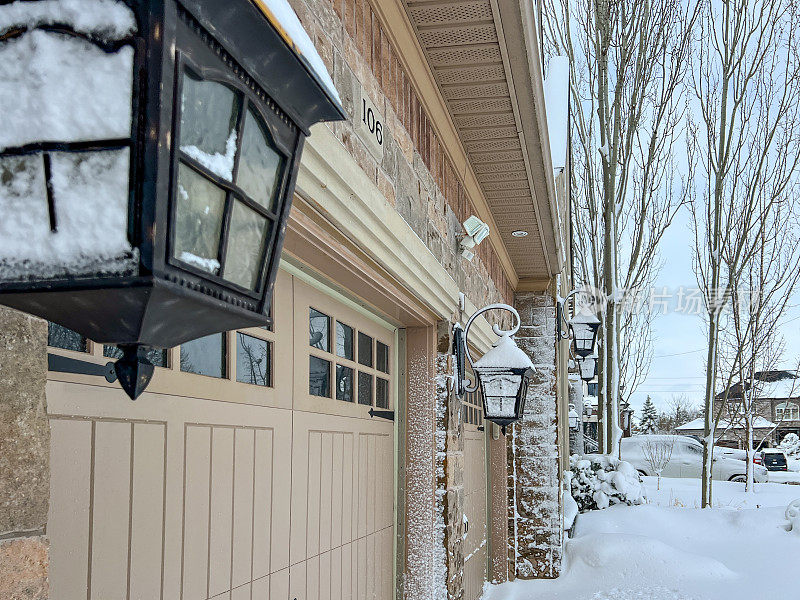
(503, 373)
(145, 202)
(587, 365)
(574, 418)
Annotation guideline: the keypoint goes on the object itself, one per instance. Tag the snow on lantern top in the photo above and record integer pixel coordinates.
(504, 354)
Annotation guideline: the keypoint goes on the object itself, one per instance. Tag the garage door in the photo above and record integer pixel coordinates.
(474, 497)
(229, 478)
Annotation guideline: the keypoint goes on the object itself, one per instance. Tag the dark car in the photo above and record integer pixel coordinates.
(773, 459)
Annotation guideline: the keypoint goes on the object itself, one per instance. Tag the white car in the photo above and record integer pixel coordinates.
(686, 459)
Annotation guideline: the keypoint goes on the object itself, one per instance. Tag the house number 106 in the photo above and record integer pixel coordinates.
(373, 124)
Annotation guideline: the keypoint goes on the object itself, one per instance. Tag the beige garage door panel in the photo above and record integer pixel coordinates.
(342, 507)
(222, 524)
(175, 497)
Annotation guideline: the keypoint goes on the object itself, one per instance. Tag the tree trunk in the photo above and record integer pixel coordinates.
(708, 426)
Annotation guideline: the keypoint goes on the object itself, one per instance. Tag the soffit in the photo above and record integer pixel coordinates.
(466, 48)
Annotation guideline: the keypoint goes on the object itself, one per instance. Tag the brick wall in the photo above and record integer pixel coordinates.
(415, 174)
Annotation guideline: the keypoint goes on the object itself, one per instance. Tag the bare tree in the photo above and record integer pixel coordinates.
(746, 76)
(657, 451)
(628, 61)
(771, 275)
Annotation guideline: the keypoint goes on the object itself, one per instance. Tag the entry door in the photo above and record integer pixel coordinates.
(342, 451)
(474, 497)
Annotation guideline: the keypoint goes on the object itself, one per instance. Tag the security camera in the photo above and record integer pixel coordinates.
(476, 231)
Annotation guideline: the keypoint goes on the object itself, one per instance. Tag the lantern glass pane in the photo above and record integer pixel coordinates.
(198, 220)
(245, 246)
(259, 165)
(500, 391)
(208, 123)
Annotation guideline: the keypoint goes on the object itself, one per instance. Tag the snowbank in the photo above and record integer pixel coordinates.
(791, 444)
(599, 481)
(665, 553)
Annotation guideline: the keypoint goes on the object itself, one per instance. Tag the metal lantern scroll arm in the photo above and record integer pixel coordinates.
(502, 373)
(472, 386)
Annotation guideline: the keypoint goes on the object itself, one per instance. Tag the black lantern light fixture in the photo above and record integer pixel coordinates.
(582, 327)
(147, 169)
(503, 373)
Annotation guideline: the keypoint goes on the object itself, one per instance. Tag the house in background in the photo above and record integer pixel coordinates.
(777, 409)
(323, 455)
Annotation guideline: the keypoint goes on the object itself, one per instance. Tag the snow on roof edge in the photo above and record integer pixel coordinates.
(556, 95)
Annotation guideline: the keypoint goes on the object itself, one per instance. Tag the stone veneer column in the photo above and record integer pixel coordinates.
(449, 466)
(425, 566)
(24, 457)
(498, 505)
(535, 512)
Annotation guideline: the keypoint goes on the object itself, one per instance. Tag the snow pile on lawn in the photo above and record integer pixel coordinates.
(791, 444)
(654, 552)
(57, 87)
(685, 493)
(599, 481)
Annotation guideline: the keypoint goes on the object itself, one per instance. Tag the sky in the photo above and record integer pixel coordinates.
(678, 366)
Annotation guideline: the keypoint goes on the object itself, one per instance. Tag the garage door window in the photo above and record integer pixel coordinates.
(157, 356)
(61, 337)
(357, 361)
(253, 360)
(204, 356)
(319, 329)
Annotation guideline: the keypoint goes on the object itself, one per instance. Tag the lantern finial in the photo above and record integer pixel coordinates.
(134, 370)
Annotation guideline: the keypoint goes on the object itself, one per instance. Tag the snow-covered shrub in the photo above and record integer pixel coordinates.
(790, 444)
(793, 516)
(599, 481)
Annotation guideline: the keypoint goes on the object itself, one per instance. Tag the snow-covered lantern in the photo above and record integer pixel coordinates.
(148, 157)
(503, 373)
(584, 326)
(587, 365)
(574, 418)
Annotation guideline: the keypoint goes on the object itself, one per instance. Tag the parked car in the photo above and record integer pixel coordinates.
(686, 459)
(736, 453)
(774, 459)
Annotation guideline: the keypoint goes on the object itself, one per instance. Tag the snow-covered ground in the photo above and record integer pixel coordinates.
(669, 550)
